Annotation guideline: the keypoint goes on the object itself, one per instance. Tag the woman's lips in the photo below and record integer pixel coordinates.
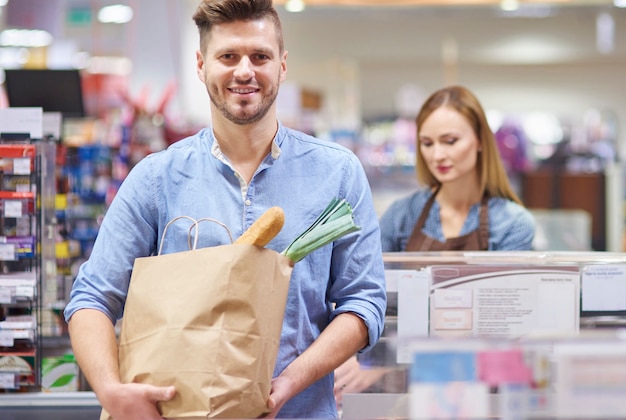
(443, 169)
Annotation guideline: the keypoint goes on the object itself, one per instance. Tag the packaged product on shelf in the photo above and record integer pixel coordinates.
(59, 374)
(17, 369)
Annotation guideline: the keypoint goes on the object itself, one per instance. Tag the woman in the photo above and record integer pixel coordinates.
(468, 203)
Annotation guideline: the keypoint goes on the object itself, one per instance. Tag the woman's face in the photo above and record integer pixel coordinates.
(449, 145)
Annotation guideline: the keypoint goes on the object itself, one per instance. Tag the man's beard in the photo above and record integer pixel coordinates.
(248, 117)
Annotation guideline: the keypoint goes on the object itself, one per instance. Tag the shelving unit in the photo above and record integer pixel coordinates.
(26, 245)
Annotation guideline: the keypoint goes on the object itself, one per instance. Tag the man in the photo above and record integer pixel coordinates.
(234, 171)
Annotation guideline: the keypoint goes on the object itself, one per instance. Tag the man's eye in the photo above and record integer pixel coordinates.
(261, 57)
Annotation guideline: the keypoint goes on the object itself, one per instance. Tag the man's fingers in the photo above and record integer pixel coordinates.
(163, 393)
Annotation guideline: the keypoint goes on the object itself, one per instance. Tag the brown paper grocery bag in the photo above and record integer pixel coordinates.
(207, 321)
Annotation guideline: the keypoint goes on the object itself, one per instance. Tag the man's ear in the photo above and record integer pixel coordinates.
(283, 67)
(200, 65)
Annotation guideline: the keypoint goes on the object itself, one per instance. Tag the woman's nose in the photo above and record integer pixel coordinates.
(438, 151)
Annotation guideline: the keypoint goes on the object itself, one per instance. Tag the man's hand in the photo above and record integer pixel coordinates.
(135, 401)
(351, 378)
(343, 337)
(282, 391)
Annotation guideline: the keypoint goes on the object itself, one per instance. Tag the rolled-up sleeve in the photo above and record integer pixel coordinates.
(125, 234)
(358, 274)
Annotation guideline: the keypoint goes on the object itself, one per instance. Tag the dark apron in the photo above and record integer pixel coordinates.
(477, 240)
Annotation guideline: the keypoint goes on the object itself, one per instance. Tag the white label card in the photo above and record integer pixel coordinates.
(413, 289)
(12, 208)
(6, 294)
(603, 287)
(7, 252)
(7, 381)
(21, 166)
(6, 338)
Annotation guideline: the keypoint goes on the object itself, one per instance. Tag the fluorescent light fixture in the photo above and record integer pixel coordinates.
(543, 128)
(527, 48)
(109, 65)
(13, 57)
(25, 38)
(116, 13)
(605, 33)
(509, 5)
(619, 3)
(294, 6)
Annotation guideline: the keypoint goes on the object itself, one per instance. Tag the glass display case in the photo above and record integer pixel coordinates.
(509, 335)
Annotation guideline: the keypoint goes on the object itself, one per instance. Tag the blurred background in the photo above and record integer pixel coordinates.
(549, 73)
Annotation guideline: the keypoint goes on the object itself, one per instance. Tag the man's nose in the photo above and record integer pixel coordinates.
(244, 69)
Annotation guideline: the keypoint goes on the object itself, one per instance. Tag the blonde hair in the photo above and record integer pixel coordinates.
(493, 178)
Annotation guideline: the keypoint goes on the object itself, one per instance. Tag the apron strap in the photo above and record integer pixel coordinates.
(414, 240)
(483, 228)
(477, 240)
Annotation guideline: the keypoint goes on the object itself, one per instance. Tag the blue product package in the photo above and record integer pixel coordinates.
(444, 366)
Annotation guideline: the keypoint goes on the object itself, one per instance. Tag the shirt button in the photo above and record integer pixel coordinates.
(248, 202)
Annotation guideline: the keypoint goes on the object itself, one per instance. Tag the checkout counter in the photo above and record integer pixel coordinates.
(507, 335)
(453, 308)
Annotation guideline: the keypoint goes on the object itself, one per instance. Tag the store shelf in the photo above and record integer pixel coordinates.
(50, 406)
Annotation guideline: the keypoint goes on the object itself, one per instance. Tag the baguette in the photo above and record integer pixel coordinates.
(264, 229)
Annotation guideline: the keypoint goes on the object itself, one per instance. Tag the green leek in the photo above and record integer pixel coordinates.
(334, 222)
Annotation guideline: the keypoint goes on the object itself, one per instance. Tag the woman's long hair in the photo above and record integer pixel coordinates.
(493, 178)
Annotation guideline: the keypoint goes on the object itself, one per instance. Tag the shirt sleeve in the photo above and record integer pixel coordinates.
(390, 228)
(512, 227)
(398, 221)
(358, 276)
(128, 231)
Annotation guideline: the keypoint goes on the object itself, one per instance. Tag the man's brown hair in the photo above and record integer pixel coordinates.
(213, 12)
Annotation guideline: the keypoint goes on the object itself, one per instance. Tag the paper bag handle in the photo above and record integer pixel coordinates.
(193, 226)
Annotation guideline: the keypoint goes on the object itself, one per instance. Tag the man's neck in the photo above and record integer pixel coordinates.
(245, 146)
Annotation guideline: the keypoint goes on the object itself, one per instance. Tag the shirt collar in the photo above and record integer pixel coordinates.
(216, 151)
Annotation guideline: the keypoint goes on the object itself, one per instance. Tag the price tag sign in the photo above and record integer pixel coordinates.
(5, 295)
(21, 166)
(25, 291)
(12, 208)
(7, 252)
(6, 339)
(22, 188)
(7, 381)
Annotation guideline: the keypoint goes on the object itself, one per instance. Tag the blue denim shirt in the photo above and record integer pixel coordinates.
(511, 226)
(301, 175)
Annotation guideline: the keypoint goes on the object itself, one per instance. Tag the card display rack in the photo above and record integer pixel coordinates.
(26, 194)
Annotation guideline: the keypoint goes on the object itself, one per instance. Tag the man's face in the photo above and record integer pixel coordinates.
(242, 68)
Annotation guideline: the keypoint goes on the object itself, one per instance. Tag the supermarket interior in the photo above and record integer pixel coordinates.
(88, 88)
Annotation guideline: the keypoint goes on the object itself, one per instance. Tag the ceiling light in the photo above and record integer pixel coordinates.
(109, 65)
(25, 38)
(509, 5)
(605, 33)
(619, 3)
(117, 13)
(294, 5)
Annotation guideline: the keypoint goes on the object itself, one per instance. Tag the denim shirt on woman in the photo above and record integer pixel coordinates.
(193, 178)
(511, 226)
